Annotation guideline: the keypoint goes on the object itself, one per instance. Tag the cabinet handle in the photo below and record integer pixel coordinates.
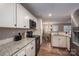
(24, 26)
(25, 55)
(15, 25)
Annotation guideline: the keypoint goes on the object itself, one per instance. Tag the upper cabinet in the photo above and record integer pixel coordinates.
(8, 15)
(75, 18)
(15, 16)
(22, 17)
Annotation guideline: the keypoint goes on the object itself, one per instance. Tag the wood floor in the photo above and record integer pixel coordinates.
(47, 50)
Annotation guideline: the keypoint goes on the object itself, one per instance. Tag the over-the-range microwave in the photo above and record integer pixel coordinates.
(32, 24)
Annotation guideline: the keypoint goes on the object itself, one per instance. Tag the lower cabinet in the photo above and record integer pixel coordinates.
(68, 43)
(33, 48)
(60, 41)
(28, 50)
(63, 41)
(20, 53)
(55, 41)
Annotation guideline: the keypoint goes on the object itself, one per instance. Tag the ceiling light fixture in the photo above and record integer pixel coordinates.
(50, 15)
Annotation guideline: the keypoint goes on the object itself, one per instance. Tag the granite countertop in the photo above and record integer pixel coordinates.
(12, 47)
(61, 34)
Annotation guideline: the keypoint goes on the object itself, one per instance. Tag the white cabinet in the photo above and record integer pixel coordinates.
(14, 15)
(7, 15)
(33, 48)
(62, 41)
(20, 53)
(68, 43)
(59, 41)
(21, 14)
(23, 17)
(26, 23)
(30, 49)
(55, 41)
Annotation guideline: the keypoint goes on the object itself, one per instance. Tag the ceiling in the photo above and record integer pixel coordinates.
(60, 11)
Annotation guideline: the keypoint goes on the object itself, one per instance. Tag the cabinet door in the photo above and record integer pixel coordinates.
(68, 43)
(20, 16)
(33, 48)
(28, 50)
(26, 22)
(21, 52)
(62, 42)
(55, 41)
(32, 51)
(7, 15)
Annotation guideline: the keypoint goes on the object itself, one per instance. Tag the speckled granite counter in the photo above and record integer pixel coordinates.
(12, 47)
(61, 34)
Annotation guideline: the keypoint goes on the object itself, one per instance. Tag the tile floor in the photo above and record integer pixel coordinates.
(47, 50)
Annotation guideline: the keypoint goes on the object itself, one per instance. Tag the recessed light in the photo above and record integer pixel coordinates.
(50, 14)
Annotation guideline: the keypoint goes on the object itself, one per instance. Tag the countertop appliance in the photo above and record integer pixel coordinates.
(17, 37)
(29, 34)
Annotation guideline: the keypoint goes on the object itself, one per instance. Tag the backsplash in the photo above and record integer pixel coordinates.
(8, 32)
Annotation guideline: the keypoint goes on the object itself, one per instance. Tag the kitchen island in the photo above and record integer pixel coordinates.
(60, 40)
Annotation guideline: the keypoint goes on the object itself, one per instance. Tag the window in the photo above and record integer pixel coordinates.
(67, 28)
(54, 28)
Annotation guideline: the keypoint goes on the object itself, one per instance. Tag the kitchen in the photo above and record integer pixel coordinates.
(26, 27)
(17, 23)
